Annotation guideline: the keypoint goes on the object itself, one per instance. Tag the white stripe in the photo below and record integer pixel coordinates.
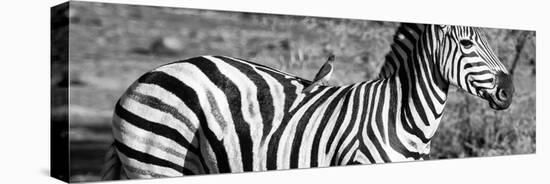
(345, 123)
(285, 144)
(147, 167)
(278, 96)
(361, 158)
(373, 122)
(147, 142)
(368, 142)
(194, 78)
(277, 93)
(249, 103)
(311, 129)
(299, 94)
(355, 128)
(347, 157)
(154, 115)
(168, 98)
(324, 159)
(130, 135)
(385, 111)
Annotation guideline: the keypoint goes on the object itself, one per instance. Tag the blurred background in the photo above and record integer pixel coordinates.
(111, 45)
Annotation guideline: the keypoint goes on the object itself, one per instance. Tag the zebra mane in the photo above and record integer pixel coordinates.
(404, 41)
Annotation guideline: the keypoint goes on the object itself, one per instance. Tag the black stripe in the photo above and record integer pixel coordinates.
(346, 150)
(479, 73)
(474, 64)
(365, 150)
(426, 86)
(352, 159)
(484, 81)
(322, 125)
(379, 112)
(440, 81)
(394, 141)
(273, 145)
(409, 36)
(153, 127)
(458, 69)
(288, 88)
(434, 76)
(454, 62)
(263, 94)
(405, 29)
(419, 28)
(204, 166)
(389, 65)
(428, 42)
(406, 50)
(302, 123)
(413, 67)
(150, 159)
(189, 97)
(471, 54)
(405, 78)
(158, 104)
(339, 121)
(407, 116)
(370, 131)
(234, 99)
(362, 145)
(355, 109)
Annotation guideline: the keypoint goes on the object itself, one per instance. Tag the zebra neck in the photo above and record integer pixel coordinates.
(404, 41)
(424, 92)
(422, 96)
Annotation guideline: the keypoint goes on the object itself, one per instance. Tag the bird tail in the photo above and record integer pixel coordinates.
(112, 169)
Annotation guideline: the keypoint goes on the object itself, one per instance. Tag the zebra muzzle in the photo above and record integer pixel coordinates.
(500, 97)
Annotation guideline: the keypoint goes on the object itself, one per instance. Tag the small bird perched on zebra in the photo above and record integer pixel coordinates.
(323, 75)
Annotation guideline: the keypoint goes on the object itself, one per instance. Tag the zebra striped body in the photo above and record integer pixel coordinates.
(216, 114)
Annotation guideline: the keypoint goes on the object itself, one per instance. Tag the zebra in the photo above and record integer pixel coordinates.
(219, 114)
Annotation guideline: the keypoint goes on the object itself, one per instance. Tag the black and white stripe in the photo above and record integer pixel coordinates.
(217, 114)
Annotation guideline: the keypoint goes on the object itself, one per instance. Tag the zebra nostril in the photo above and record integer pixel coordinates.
(502, 94)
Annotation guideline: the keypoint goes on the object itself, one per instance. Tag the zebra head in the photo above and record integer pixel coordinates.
(467, 61)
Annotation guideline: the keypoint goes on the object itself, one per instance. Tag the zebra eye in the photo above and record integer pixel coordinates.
(466, 43)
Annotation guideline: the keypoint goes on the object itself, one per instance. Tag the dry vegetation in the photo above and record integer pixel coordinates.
(112, 45)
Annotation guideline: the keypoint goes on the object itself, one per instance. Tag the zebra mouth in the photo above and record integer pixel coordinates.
(485, 95)
(494, 98)
(494, 105)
